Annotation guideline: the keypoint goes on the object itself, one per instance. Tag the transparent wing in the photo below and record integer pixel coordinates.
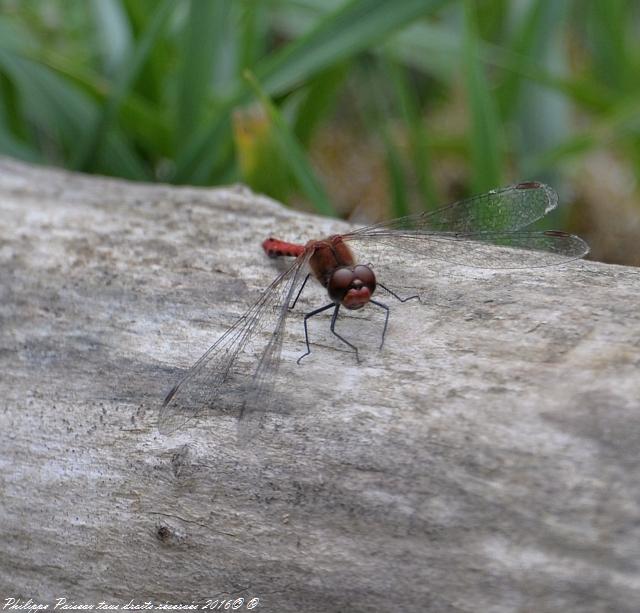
(481, 249)
(260, 396)
(225, 368)
(507, 209)
(468, 231)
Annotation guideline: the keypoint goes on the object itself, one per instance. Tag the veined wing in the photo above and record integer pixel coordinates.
(213, 373)
(499, 250)
(507, 209)
(260, 395)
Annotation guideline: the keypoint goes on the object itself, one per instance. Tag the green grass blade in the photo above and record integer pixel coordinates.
(114, 38)
(259, 153)
(294, 153)
(89, 148)
(484, 137)
(397, 178)
(340, 35)
(620, 126)
(11, 146)
(59, 112)
(413, 122)
(48, 103)
(9, 143)
(378, 118)
(204, 30)
(198, 158)
(525, 41)
(610, 38)
(318, 101)
(145, 124)
(253, 33)
(151, 82)
(121, 160)
(536, 110)
(548, 160)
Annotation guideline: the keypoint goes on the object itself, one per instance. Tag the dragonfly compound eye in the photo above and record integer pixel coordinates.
(339, 283)
(365, 274)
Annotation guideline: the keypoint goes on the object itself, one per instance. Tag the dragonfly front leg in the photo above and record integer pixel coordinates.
(344, 340)
(306, 331)
(332, 327)
(293, 304)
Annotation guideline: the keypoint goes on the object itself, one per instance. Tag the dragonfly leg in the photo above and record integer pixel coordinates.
(306, 331)
(386, 318)
(293, 304)
(386, 289)
(344, 340)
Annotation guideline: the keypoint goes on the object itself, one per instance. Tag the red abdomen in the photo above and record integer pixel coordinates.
(276, 248)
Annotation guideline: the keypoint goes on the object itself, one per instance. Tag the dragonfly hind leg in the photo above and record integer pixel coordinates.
(386, 318)
(306, 331)
(386, 289)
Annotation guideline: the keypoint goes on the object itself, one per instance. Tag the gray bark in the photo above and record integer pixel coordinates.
(485, 460)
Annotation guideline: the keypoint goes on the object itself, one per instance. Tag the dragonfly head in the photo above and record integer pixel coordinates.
(352, 286)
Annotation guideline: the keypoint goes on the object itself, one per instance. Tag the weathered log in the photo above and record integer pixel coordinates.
(485, 460)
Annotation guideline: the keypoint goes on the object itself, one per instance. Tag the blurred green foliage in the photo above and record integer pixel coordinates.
(163, 89)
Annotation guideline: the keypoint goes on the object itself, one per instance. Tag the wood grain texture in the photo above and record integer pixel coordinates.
(485, 460)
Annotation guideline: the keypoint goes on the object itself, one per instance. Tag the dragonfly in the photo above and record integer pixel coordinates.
(484, 231)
